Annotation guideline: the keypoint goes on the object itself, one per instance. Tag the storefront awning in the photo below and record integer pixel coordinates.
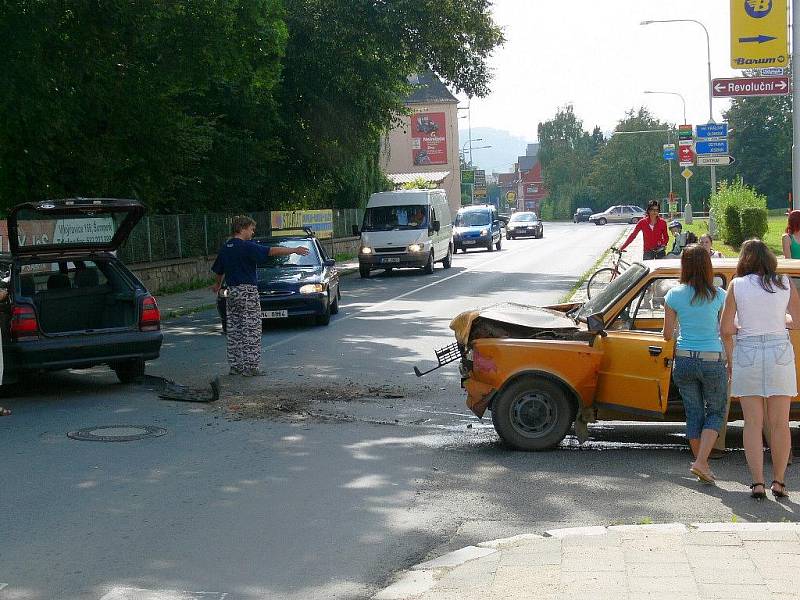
(432, 176)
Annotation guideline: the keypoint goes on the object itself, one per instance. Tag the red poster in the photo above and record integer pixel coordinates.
(429, 139)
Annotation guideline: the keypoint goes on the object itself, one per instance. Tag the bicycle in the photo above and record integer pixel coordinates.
(602, 277)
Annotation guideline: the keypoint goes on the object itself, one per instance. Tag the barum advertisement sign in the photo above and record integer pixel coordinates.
(429, 139)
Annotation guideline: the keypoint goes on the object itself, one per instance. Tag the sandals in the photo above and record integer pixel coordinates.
(703, 476)
(5, 412)
(758, 495)
(780, 493)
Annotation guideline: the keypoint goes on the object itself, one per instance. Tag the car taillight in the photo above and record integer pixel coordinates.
(150, 316)
(24, 325)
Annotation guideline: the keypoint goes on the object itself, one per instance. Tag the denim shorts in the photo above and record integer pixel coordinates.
(703, 385)
(763, 365)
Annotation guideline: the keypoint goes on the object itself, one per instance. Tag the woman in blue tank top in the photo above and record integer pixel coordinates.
(700, 368)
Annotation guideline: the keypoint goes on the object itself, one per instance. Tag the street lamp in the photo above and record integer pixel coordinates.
(469, 124)
(672, 94)
(711, 224)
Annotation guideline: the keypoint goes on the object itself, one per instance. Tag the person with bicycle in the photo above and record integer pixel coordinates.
(654, 231)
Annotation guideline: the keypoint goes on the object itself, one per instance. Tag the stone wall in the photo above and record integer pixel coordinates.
(180, 271)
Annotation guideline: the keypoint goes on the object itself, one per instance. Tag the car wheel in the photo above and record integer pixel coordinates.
(464, 250)
(541, 233)
(499, 243)
(633, 221)
(363, 270)
(533, 413)
(490, 247)
(600, 222)
(508, 237)
(325, 317)
(447, 261)
(130, 370)
(335, 305)
(428, 268)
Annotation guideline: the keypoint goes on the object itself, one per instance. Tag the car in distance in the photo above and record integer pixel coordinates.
(72, 304)
(582, 214)
(477, 226)
(617, 214)
(293, 285)
(524, 224)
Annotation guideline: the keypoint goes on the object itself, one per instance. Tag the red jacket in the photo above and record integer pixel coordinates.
(653, 238)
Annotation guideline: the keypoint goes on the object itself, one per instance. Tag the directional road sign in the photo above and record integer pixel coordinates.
(770, 71)
(686, 174)
(711, 146)
(751, 86)
(716, 160)
(669, 152)
(684, 132)
(685, 156)
(759, 34)
(712, 130)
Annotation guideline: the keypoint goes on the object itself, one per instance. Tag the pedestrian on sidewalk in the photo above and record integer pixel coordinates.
(654, 232)
(236, 263)
(699, 370)
(761, 364)
(791, 239)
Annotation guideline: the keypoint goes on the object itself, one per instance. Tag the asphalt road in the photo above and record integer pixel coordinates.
(368, 471)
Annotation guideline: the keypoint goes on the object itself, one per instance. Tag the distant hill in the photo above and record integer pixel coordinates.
(505, 148)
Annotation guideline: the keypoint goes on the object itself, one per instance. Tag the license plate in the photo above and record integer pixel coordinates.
(469, 242)
(390, 260)
(274, 314)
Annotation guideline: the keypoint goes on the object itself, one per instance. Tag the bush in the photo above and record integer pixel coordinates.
(754, 222)
(736, 194)
(731, 226)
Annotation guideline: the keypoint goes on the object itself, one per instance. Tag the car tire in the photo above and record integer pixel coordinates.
(130, 370)
(508, 237)
(490, 247)
(363, 270)
(541, 233)
(447, 261)
(600, 222)
(335, 305)
(533, 413)
(428, 268)
(633, 221)
(499, 243)
(325, 318)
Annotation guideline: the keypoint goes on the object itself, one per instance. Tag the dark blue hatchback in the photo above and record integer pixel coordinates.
(294, 285)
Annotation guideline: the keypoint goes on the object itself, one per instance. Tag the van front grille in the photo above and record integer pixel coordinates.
(386, 250)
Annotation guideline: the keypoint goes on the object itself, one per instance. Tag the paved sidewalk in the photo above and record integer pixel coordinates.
(176, 305)
(627, 562)
(632, 253)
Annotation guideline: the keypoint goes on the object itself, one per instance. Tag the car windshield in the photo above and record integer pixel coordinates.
(606, 298)
(524, 217)
(292, 260)
(391, 218)
(472, 218)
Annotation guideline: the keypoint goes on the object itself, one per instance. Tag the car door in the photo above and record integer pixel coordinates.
(636, 366)
(615, 215)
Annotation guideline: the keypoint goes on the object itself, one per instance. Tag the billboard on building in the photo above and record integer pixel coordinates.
(429, 139)
(289, 222)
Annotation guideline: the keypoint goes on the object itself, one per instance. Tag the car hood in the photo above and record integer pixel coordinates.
(509, 319)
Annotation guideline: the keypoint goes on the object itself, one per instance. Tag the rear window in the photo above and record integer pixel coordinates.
(36, 228)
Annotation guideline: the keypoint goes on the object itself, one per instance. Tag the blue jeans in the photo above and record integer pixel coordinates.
(703, 385)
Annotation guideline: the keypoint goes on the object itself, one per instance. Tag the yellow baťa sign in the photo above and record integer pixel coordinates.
(759, 34)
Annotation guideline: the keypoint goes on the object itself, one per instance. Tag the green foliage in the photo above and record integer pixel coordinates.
(738, 195)
(754, 221)
(220, 105)
(731, 226)
(420, 183)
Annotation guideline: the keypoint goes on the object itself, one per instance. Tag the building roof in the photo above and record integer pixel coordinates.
(428, 88)
(526, 163)
(432, 176)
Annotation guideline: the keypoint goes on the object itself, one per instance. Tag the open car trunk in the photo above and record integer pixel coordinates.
(79, 296)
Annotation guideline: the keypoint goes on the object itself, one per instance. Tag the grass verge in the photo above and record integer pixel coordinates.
(174, 313)
(588, 273)
(777, 225)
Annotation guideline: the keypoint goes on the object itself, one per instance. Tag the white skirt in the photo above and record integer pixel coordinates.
(763, 365)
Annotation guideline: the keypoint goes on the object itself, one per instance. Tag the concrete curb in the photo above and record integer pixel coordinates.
(422, 577)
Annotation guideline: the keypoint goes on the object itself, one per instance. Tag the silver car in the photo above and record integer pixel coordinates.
(618, 214)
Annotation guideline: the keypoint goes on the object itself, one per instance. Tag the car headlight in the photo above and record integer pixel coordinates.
(415, 248)
(484, 232)
(366, 250)
(312, 288)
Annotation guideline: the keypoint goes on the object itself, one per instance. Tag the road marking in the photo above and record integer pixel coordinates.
(3, 585)
(405, 294)
(129, 593)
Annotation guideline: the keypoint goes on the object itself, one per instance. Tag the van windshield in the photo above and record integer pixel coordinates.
(473, 218)
(390, 218)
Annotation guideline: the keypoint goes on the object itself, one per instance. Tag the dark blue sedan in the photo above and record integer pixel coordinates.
(294, 285)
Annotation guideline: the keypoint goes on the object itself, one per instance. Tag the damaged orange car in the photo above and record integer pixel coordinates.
(542, 371)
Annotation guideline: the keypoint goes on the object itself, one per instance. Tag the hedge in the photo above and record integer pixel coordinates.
(732, 226)
(754, 222)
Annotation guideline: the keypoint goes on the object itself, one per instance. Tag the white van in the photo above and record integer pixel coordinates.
(406, 228)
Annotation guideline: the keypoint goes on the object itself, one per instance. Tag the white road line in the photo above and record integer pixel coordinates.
(405, 294)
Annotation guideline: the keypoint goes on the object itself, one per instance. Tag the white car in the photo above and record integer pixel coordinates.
(618, 214)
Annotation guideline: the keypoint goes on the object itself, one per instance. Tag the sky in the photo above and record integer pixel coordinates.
(595, 55)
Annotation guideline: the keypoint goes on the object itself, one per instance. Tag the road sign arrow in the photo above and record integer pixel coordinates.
(719, 87)
(760, 39)
(781, 85)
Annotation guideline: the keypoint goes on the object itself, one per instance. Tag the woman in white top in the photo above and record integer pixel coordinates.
(761, 365)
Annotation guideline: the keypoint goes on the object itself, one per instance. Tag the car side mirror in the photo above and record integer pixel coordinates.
(356, 232)
(329, 262)
(595, 324)
(436, 226)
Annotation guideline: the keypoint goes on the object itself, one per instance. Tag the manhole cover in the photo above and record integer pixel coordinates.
(116, 433)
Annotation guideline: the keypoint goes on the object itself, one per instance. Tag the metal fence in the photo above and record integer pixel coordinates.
(165, 237)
